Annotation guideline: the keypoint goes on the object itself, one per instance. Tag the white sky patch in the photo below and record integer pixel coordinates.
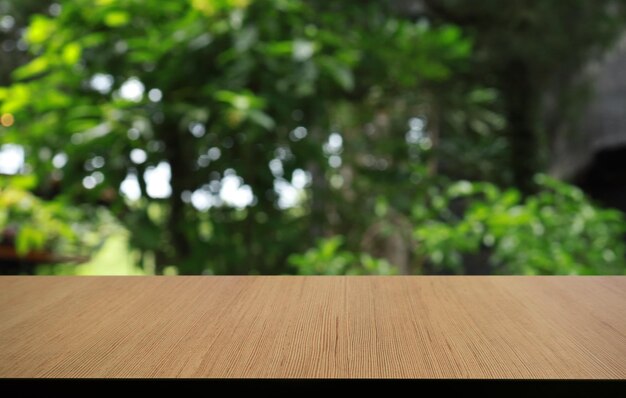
(416, 123)
(298, 133)
(102, 83)
(288, 195)
(300, 179)
(138, 156)
(155, 95)
(235, 193)
(99, 176)
(334, 161)
(276, 166)
(202, 199)
(55, 9)
(335, 142)
(214, 153)
(197, 129)
(415, 135)
(132, 90)
(334, 145)
(97, 162)
(11, 159)
(158, 181)
(89, 182)
(6, 23)
(303, 49)
(232, 191)
(130, 187)
(59, 160)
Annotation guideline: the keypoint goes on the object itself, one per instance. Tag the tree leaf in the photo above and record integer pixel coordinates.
(72, 53)
(339, 72)
(262, 119)
(35, 67)
(116, 18)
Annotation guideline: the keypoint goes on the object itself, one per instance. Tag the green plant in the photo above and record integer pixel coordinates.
(329, 259)
(556, 231)
(212, 92)
(32, 223)
(29, 223)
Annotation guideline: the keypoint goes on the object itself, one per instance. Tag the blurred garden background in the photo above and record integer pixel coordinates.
(312, 137)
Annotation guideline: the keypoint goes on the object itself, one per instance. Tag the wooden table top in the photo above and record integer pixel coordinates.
(311, 327)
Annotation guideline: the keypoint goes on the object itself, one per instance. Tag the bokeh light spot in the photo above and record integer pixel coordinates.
(7, 120)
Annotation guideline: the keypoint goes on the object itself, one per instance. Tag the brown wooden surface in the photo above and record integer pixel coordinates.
(203, 326)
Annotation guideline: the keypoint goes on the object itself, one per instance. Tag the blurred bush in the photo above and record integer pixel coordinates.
(328, 258)
(556, 231)
(35, 231)
(29, 223)
(225, 136)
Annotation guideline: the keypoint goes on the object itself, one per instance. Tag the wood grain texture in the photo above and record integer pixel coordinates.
(311, 327)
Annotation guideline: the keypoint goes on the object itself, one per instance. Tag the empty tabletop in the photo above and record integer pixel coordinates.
(314, 327)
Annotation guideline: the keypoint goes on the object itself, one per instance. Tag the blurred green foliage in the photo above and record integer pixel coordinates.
(34, 223)
(329, 259)
(359, 111)
(557, 231)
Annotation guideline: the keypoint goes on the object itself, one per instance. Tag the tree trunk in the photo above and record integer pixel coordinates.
(178, 158)
(520, 103)
(434, 135)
